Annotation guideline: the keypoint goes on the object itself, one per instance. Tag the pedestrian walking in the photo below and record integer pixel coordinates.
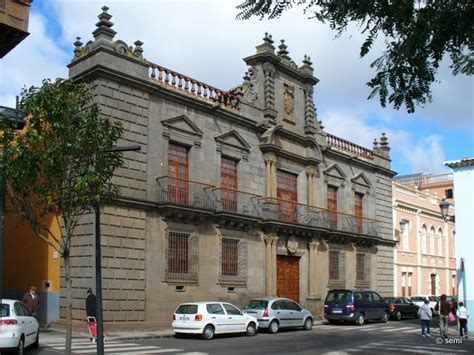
(424, 313)
(90, 304)
(32, 301)
(463, 315)
(443, 308)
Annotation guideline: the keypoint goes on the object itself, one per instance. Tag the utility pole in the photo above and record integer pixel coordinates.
(98, 263)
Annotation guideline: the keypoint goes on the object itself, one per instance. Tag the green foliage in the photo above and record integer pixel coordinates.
(418, 34)
(59, 164)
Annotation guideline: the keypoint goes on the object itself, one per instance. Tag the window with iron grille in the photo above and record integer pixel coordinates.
(336, 266)
(233, 261)
(362, 267)
(181, 257)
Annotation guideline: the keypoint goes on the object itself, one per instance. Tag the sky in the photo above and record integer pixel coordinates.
(203, 40)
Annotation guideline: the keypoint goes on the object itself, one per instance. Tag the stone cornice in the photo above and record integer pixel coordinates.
(147, 85)
(361, 162)
(416, 208)
(265, 148)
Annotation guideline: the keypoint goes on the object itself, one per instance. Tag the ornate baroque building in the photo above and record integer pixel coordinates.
(425, 262)
(234, 194)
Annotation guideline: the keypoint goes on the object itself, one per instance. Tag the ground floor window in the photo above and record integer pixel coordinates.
(362, 267)
(182, 257)
(336, 266)
(233, 261)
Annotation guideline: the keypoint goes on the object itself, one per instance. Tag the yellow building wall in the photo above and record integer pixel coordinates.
(28, 260)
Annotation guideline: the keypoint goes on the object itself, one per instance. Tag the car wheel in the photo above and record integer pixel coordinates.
(308, 324)
(208, 332)
(35, 345)
(273, 327)
(21, 347)
(385, 317)
(251, 329)
(398, 315)
(360, 319)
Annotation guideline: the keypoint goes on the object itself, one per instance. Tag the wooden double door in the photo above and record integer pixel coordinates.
(288, 277)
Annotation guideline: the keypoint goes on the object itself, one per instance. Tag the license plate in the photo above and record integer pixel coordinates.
(183, 318)
(337, 310)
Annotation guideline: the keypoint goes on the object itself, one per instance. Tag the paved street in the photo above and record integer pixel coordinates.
(374, 338)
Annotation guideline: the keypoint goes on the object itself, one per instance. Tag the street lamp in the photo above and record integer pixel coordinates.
(444, 207)
(98, 263)
(16, 118)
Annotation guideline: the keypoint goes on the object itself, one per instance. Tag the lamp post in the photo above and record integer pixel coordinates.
(98, 263)
(444, 207)
(16, 118)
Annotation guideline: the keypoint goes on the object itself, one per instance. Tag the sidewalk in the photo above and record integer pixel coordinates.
(116, 332)
(112, 331)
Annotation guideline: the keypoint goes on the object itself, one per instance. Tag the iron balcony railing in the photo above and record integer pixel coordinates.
(291, 212)
(234, 201)
(182, 192)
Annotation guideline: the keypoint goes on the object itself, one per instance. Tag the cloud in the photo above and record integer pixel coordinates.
(203, 40)
(36, 58)
(426, 155)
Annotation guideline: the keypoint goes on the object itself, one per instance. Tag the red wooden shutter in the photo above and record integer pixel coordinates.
(229, 184)
(332, 207)
(178, 166)
(287, 194)
(230, 257)
(358, 212)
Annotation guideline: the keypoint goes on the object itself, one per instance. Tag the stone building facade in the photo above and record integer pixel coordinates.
(234, 194)
(425, 262)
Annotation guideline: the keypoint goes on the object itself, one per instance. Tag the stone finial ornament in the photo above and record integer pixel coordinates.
(375, 144)
(138, 49)
(104, 26)
(268, 38)
(307, 61)
(283, 52)
(267, 45)
(77, 47)
(383, 141)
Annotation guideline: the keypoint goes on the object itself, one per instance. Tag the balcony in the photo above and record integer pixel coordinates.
(186, 200)
(282, 211)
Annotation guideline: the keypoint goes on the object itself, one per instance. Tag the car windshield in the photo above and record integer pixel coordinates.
(336, 296)
(256, 304)
(418, 298)
(4, 310)
(433, 299)
(187, 309)
(390, 300)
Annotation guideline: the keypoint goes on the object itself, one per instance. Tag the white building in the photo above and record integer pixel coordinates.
(464, 195)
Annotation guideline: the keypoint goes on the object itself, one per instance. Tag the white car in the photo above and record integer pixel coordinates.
(419, 300)
(209, 318)
(18, 329)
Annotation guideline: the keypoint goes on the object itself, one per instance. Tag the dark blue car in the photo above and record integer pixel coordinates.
(356, 306)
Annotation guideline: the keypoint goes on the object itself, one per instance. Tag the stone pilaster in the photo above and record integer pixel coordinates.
(312, 274)
(310, 174)
(270, 277)
(270, 183)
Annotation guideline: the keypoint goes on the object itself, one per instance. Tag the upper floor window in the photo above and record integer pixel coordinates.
(424, 233)
(178, 187)
(405, 230)
(332, 207)
(432, 241)
(448, 193)
(229, 184)
(358, 211)
(287, 195)
(440, 241)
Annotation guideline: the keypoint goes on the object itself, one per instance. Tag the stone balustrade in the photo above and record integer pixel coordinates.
(350, 147)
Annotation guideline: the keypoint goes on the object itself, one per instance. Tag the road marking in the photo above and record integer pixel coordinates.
(93, 345)
(414, 330)
(164, 351)
(396, 329)
(126, 349)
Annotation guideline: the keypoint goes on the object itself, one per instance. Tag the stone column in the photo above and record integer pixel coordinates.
(270, 248)
(312, 274)
(310, 173)
(274, 265)
(270, 167)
